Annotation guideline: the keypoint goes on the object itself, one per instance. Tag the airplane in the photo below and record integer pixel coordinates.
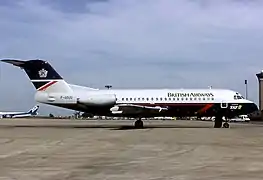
(31, 112)
(52, 89)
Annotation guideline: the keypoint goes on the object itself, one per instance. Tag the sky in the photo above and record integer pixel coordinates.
(132, 44)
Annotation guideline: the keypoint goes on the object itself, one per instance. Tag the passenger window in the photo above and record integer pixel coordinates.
(147, 99)
(182, 99)
(212, 98)
(134, 99)
(127, 99)
(152, 99)
(139, 99)
(165, 99)
(199, 99)
(156, 99)
(169, 99)
(178, 99)
(130, 99)
(161, 99)
(204, 99)
(186, 99)
(122, 99)
(191, 99)
(143, 99)
(195, 99)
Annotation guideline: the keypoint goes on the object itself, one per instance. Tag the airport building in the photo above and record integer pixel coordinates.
(258, 116)
(260, 90)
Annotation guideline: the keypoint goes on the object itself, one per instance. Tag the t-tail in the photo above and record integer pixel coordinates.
(43, 76)
(34, 110)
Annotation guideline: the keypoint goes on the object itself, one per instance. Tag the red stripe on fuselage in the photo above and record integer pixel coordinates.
(208, 106)
(43, 88)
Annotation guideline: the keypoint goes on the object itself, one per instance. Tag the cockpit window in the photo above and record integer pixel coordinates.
(238, 97)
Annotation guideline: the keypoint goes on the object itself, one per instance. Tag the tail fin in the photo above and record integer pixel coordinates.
(43, 76)
(34, 110)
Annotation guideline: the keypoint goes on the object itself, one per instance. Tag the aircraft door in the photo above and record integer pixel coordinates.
(224, 105)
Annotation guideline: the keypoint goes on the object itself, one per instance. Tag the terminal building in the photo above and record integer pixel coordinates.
(259, 115)
(260, 90)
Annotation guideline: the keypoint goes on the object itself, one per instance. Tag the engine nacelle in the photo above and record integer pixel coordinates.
(98, 100)
(55, 98)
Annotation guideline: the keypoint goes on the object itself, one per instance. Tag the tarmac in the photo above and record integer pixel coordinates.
(34, 149)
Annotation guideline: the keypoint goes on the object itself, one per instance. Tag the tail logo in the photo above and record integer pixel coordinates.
(42, 73)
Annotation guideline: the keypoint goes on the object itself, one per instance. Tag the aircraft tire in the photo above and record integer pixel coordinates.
(138, 124)
(226, 125)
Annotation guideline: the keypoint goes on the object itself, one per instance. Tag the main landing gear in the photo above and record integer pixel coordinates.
(219, 122)
(138, 124)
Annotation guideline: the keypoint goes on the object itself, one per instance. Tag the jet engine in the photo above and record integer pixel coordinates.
(98, 100)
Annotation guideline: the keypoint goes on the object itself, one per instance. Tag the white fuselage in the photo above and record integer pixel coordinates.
(159, 96)
(175, 101)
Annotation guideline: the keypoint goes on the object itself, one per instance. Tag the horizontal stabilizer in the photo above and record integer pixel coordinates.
(36, 69)
(15, 62)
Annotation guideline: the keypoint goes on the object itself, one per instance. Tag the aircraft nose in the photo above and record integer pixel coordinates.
(252, 107)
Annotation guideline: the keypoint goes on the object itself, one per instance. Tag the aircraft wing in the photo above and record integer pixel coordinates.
(136, 109)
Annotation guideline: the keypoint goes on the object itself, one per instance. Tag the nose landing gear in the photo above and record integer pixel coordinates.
(219, 122)
(226, 125)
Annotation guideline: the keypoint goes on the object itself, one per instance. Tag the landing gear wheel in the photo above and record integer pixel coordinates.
(218, 122)
(138, 124)
(226, 125)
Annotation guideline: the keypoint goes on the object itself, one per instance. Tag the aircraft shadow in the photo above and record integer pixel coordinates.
(159, 127)
(116, 127)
